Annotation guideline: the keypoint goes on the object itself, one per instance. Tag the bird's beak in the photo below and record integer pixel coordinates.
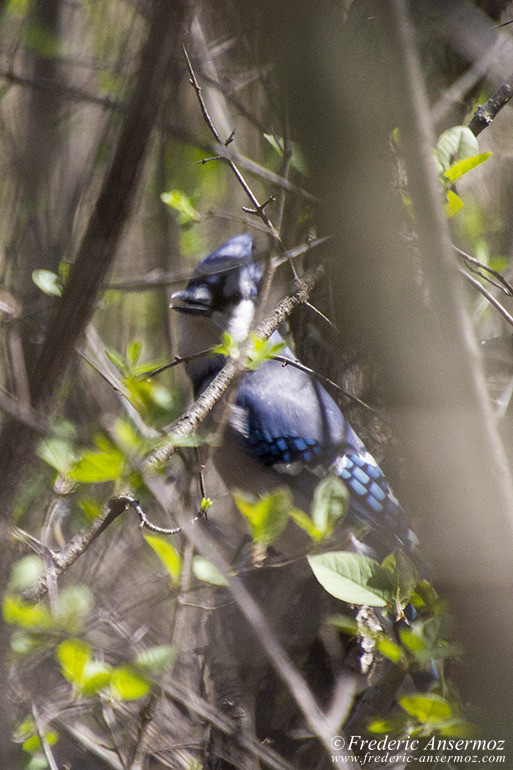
(191, 300)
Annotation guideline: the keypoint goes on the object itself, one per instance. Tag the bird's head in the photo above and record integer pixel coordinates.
(222, 292)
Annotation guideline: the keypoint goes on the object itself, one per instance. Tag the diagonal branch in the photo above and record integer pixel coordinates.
(194, 416)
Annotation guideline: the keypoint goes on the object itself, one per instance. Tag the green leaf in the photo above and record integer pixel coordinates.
(426, 708)
(453, 204)
(57, 452)
(126, 435)
(267, 516)
(182, 204)
(126, 684)
(95, 677)
(262, 350)
(455, 144)
(33, 743)
(426, 597)
(353, 578)
(390, 649)
(305, 522)
(458, 728)
(205, 570)
(48, 282)
(414, 643)
(96, 467)
(74, 604)
(19, 613)
(134, 353)
(459, 168)
(168, 555)
(117, 359)
(155, 660)
(393, 725)
(330, 503)
(403, 573)
(25, 572)
(228, 347)
(74, 655)
(89, 508)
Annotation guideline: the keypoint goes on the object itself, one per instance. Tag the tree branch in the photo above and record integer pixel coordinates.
(195, 414)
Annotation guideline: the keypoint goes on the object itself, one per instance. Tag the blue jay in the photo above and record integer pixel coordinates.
(283, 428)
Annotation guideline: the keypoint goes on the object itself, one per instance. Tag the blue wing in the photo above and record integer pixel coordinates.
(286, 420)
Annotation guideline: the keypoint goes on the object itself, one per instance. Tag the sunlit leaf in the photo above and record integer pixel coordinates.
(25, 615)
(33, 743)
(205, 570)
(461, 167)
(126, 684)
(96, 676)
(267, 516)
(96, 467)
(426, 708)
(393, 725)
(305, 522)
(25, 572)
(73, 655)
(48, 282)
(453, 204)
(455, 144)
(167, 554)
(330, 503)
(134, 352)
(57, 452)
(353, 578)
(182, 204)
(390, 649)
(155, 660)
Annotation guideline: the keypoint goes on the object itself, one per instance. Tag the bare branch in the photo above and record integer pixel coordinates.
(63, 559)
(484, 114)
(257, 206)
(491, 299)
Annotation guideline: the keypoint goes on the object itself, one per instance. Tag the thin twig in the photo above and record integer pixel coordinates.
(42, 737)
(501, 283)
(178, 133)
(491, 299)
(258, 210)
(325, 380)
(145, 523)
(177, 360)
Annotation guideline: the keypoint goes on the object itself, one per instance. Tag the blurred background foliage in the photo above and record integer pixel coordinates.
(67, 74)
